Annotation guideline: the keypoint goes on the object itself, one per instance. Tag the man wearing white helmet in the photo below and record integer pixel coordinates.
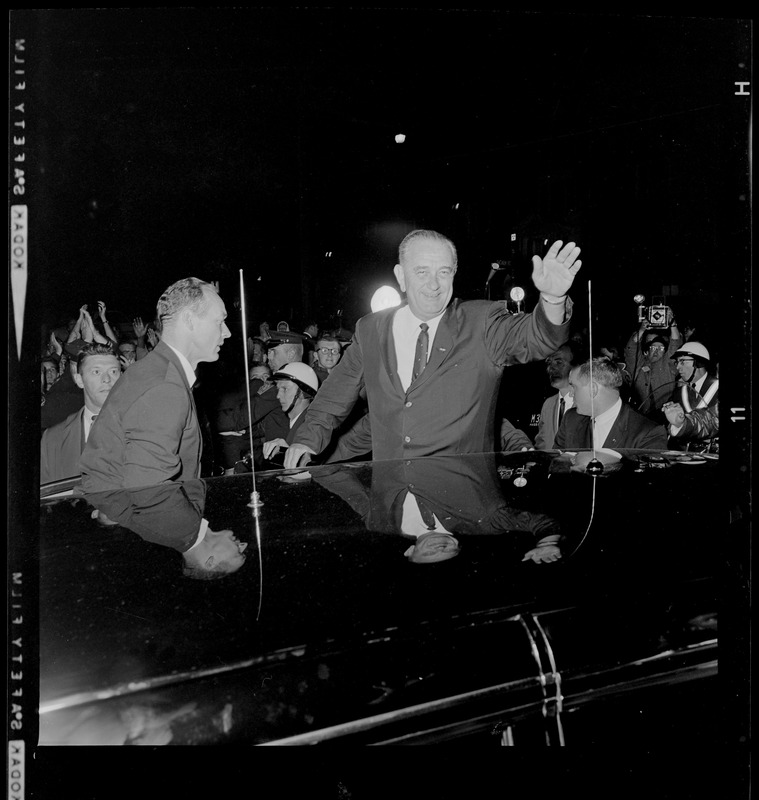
(297, 385)
(693, 413)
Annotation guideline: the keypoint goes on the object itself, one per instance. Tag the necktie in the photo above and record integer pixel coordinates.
(420, 360)
(561, 411)
(92, 422)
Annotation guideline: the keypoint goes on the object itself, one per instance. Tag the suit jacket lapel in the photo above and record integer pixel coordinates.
(618, 429)
(80, 420)
(387, 350)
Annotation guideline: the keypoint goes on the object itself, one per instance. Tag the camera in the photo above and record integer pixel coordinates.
(658, 314)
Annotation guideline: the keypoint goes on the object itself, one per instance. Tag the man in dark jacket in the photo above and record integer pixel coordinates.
(599, 417)
(431, 369)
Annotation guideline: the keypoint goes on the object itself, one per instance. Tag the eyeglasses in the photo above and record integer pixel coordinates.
(656, 347)
(684, 361)
(326, 350)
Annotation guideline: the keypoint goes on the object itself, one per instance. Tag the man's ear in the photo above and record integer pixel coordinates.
(400, 276)
(78, 380)
(210, 562)
(188, 318)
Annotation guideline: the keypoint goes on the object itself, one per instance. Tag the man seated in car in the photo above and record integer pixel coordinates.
(614, 423)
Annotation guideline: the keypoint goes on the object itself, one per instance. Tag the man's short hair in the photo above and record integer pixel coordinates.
(328, 337)
(425, 234)
(94, 349)
(184, 295)
(605, 372)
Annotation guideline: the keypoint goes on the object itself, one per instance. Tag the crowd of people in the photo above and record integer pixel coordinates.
(309, 389)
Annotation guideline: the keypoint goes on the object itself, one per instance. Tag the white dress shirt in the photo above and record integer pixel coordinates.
(87, 422)
(412, 523)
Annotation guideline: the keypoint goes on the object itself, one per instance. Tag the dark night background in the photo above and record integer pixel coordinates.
(202, 141)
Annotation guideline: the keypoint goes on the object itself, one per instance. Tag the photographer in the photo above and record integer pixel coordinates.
(648, 357)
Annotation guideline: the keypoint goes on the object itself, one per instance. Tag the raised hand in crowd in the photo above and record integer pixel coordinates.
(77, 332)
(140, 328)
(106, 325)
(94, 333)
(153, 337)
(54, 346)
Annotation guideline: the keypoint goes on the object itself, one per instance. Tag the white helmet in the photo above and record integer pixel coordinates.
(300, 374)
(695, 349)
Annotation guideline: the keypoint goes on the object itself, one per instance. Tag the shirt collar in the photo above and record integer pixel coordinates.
(610, 413)
(407, 317)
(188, 370)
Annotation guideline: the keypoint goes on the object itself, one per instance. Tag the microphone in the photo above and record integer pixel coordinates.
(497, 266)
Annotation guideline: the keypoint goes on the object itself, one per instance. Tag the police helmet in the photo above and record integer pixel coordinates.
(300, 374)
(694, 349)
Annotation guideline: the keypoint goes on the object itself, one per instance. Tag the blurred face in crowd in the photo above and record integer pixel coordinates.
(208, 330)
(97, 375)
(327, 353)
(49, 374)
(129, 351)
(279, 356)
(427, 277)
(261, 373)
(580, 392)
(558, 365)
(655, 352)
(257, 351)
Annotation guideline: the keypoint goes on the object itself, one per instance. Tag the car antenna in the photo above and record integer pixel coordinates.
(255, 499)
(595, 467)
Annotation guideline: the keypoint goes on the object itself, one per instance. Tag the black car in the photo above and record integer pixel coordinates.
(328, 630)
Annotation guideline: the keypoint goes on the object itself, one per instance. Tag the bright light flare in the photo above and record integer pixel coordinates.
(385, 297)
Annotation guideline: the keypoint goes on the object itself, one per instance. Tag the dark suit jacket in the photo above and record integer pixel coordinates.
(630, 429)
(450, 407)
(61, 448)
(169, 514)
(147, 431)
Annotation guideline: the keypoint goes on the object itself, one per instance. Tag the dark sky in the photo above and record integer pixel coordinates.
(176, 142)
